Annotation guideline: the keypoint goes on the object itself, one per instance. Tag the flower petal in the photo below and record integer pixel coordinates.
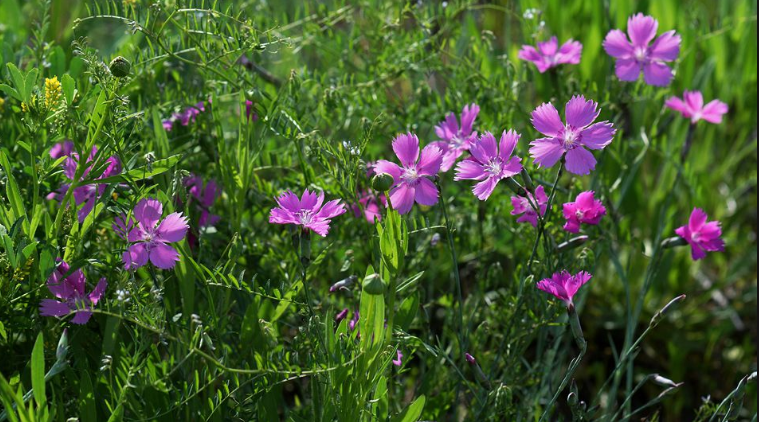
(173, 228)
(546, 120)
(406, 147)
(485, 148)
(657, 74)
(580, 112)
(580, 161)
(430, 161)
(546, 151)
(148, 211)
(98, 292)
(331, 209)
(135, 256)
(402, 198)
(642, 29)
(598, 136)
(549, 48)
(468, 114)
(163, 256)
(507, 144)
(289, 201)
(469, 169)
(713, 111)
(617, 45)
(50, 307)
(386, 167)
(426, 192)
(569, 53)
(627, 70)
(484, 189)
(666, 47)
(697, 220)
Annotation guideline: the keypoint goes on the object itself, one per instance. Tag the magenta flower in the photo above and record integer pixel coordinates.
(341, 315)
(490, 163)
(370, 206)
(307, 212)
(571, 139)
(564, 285)
(454, 140)
(86, 194)
(149, 237)
(548, 54)
(353, 323)
(702, 236)
(204, 197)
(692, 107)
(411, 182)
(638, 56)
(250, 113)
(525, 206)
(71, 291)
(585, 210)
(398, 361)
(184, 117)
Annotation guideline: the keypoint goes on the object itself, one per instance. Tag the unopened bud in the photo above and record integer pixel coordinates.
(666, 382)
(343, 284)
(673, 242)
(470, 359)
(373, 285)
(658, 316)
(341, 315)
(120, 67)
(382, 182)
(63, 346)
(527, 180)
(572, 243)
(574, 323)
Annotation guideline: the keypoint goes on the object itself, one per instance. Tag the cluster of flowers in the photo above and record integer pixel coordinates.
(148, 236)
(568, 141)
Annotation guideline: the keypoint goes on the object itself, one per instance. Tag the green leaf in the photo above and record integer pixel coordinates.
(372, 321)
(38, 370)
(18, 80)
(10, 91)
(11, 189)
(3, 334)
(68, 85)
(30, 82)
(87, 409)
(413, 412)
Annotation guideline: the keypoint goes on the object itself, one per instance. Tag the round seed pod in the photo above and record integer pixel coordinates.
(382, 182)
(120, 67)
(373, 285)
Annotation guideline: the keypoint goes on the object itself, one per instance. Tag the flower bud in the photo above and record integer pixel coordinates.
(673, 242)
(666, 382)
(574, 323)
(63, 345)
(382, 182)
(527, 180)
(373, 285)
(515, 187)
(658, 316)
(572, 243)
(120, 67)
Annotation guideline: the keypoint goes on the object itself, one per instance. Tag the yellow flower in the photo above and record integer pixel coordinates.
(2, 103)
(52, 92)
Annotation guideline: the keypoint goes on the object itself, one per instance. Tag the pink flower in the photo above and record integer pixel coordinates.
(370, 206)
(412, 181)
(353, 323)
(692, 107)
(564, 285)
(640, 55)
(307, 212)
(585, 210)
(548, 54)
(570, 139)
(702, 236)
(490, 163)
(250, 113)
(525, 206)
(185, 117)
(454, 140)
(86, 194)
(71, 290)
(149, 237)
(204, 198)
(398, 361)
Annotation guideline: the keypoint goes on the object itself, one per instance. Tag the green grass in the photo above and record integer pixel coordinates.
(330, 72)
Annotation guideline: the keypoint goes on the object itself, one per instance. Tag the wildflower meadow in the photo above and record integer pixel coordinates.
(368, 210)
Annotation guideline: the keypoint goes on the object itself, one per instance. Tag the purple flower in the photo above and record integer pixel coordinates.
(341, 315)
(692, 107)
(454, 140)
(184, 117)
(524, 206)
(149, 237)
(353, 323)
(564, 285)
(398, 361)
(585, 210)
(490, 163)
(640, 55)
(370, 206)
(250, 113)
(204, 197)
(412, 181)
(71, 291)
(470, 359)
(307, 212)
(570, 139)
(702, 236)
(86, 194)
(548, 54)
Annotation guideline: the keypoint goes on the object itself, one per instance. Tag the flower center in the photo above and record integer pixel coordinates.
(579, 214)
(457, 142)
(410, 175)
(305, 217)
(641, 54)
(493, 167)
(570, 138)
